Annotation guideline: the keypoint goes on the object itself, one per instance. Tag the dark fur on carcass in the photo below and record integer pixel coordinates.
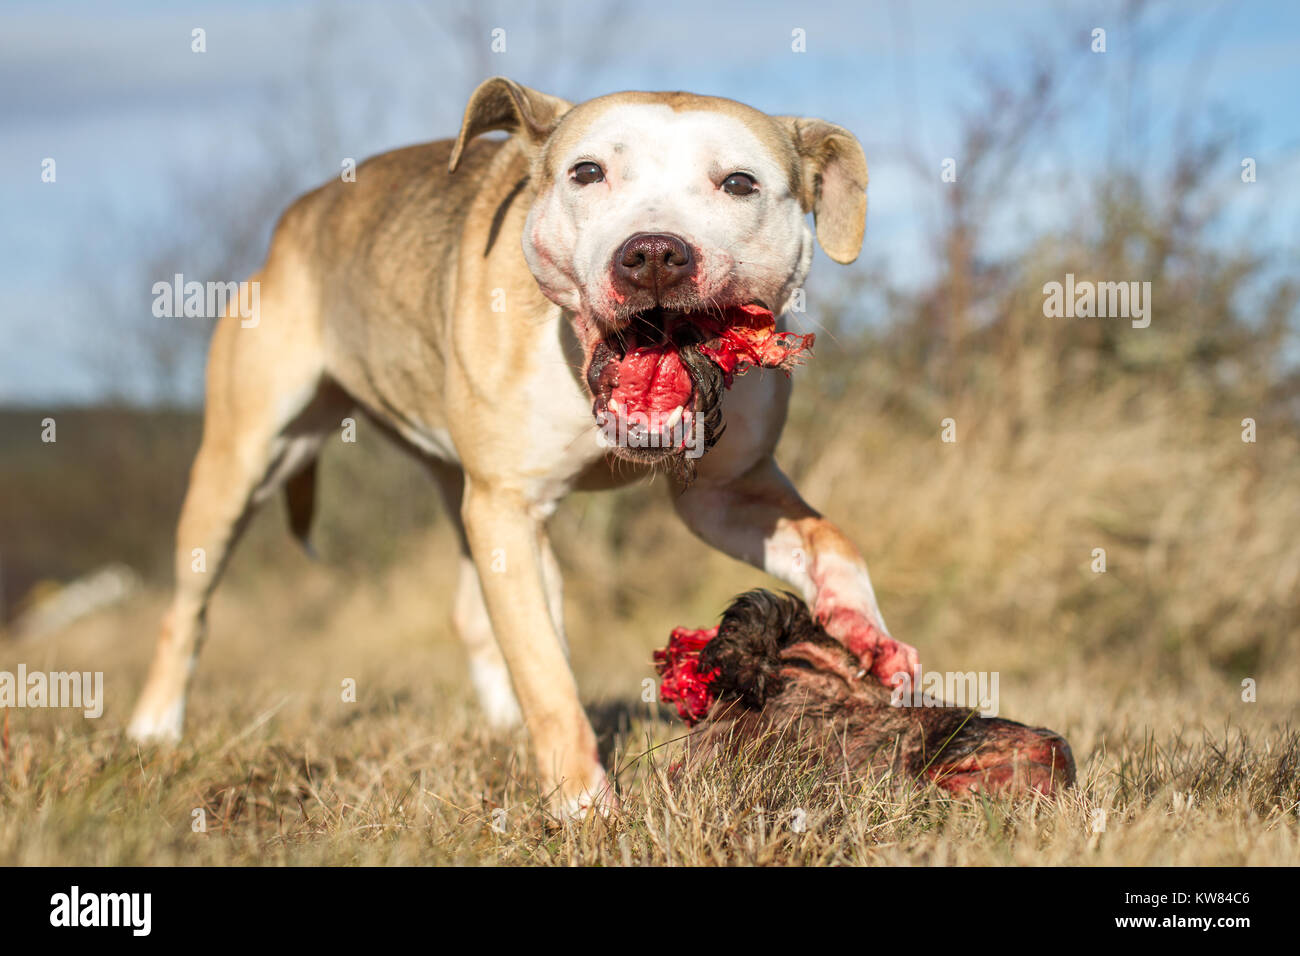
(777, 670)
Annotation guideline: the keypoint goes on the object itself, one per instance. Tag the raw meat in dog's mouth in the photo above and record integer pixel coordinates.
(638, 370)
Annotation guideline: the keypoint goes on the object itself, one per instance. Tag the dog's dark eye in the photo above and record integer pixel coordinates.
(586, 173)
(739, 184)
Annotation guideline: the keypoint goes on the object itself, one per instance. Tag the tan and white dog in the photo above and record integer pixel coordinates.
(495, 306)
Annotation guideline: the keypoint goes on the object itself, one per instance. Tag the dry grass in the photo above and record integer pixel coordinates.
(981, 552)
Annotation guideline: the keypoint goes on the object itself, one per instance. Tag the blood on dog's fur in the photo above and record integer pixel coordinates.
(769, 666)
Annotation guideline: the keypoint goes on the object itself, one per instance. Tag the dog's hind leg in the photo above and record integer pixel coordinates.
(487, 668)
(268, 410)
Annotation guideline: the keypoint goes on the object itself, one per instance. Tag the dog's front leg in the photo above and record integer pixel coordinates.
(506, 539)
(759, 517)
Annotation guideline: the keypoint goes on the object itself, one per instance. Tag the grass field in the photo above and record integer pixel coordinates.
(982, 554)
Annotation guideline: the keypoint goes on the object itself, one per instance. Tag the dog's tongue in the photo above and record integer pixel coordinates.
(652, 380)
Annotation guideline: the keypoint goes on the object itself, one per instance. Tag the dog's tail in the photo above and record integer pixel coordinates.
(300, 496)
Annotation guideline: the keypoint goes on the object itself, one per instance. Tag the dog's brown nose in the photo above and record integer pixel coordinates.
(654, 262)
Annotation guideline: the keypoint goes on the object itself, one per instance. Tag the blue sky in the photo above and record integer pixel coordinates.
(155, 143)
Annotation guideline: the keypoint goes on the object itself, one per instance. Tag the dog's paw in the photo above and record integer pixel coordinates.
(880, 654)
(596, 796)
(893, 657)
(157, 726)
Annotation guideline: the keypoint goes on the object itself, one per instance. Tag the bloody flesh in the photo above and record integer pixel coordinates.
(685, 684)
(769, 674)
(651, 380)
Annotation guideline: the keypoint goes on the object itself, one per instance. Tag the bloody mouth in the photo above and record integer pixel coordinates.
(665, 372)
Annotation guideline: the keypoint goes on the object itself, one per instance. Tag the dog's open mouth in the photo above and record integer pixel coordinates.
(658, 381)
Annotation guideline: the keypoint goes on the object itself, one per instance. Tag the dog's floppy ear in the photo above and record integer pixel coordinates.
(834, 183)
(499, 103)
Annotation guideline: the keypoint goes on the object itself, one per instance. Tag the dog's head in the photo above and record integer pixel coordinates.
(672, 228)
